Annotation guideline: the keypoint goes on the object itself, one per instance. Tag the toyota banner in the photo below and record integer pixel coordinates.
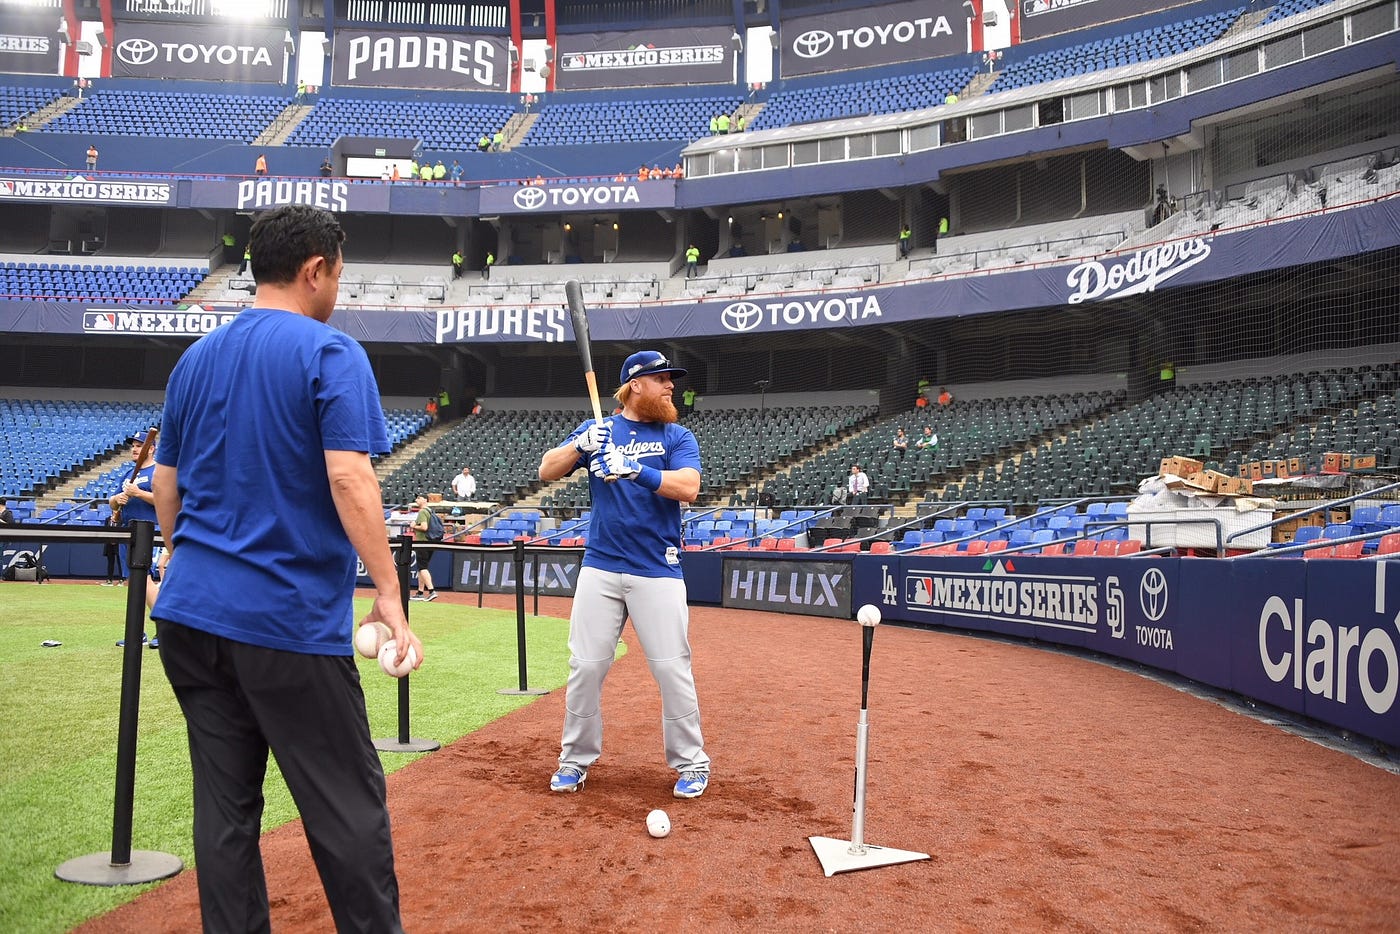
(432, 61)
(29, 45)
(645, 58)
(228, 53)
(877, 35)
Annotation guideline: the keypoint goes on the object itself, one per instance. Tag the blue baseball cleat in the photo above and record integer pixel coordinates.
(568, 778)
(691, 784)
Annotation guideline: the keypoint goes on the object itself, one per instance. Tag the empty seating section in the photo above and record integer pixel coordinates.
(142, 285)
(1291, 8)
(42, 440)
(1112, 52)
(968, 433)
(17, 102)
(642, 121)
(502, 448)
(836, 101)
(171, 114)
(1221, 423)
(443, 126)
(401, 423)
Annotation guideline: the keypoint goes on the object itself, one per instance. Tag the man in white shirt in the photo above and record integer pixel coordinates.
(464, 486)
(858, 486)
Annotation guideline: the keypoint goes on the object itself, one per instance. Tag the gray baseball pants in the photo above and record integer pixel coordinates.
(657, 605)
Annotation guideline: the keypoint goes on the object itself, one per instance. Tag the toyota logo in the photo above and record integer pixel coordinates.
(741, 316)
(814, 43)
(528, 199)
(1152, 594)
(137, 51)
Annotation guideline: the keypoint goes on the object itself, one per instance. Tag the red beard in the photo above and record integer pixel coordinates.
(654, 409)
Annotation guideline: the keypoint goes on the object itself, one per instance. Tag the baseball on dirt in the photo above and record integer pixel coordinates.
(658, 824)
(868, 615)
(387, 651)
(369, 637)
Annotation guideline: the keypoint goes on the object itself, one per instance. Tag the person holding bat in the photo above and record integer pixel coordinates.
(642, 465)
(135, 502)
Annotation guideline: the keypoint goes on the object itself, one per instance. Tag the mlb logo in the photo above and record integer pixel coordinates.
(99, 321)
(7, 188)
(918, 590)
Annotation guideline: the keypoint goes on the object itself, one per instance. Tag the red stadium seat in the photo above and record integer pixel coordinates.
(1053, 548)
(719, 542)
(787, 544)
(998, 545)
(1129, 546)
(1390, 544)
(945, 550)
(1348, 550)
(1107, 548)
(768, 544)
(1323, 552)
(831, 543)
(881, 548)
(1086, 546)
(976, 547)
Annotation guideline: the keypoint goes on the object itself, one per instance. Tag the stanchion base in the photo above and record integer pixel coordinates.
(413, 745)
(524, 692)
(97, 868)
(837, 856)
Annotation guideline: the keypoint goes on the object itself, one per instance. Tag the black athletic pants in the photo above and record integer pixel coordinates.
(240, 701)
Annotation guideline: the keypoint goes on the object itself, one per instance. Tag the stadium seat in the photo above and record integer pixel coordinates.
(1348, 549)
(1129, 546)
(1053, 548)
(1085, 546)
(1389, 544)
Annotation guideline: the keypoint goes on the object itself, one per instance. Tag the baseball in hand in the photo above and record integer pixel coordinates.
(387, 651)
(658, 824)
(369, 637)
(868, 615)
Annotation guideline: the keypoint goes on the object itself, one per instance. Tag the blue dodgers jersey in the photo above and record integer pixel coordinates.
(633, 530)
(261, 556)
(138, 509)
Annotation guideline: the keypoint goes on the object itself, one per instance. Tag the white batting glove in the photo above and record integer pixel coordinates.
(592, 439)
(619, 464)
(597, 466)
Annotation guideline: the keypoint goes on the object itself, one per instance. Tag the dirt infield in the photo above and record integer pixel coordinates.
(1051, 792)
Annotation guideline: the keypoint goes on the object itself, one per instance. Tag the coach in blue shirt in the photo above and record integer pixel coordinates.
(264, 482)
(642, 466)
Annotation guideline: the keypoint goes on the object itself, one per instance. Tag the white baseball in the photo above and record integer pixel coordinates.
(868, 615)
(387, 651)
(369, 637)
(658, 824)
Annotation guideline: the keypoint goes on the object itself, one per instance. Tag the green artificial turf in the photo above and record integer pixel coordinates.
(58, 745)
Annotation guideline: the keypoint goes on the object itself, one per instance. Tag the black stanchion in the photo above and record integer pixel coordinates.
(524, 687)
(122, 865)
(405, 742)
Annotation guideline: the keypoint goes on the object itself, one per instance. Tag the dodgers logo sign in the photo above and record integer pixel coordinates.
(1141, 272)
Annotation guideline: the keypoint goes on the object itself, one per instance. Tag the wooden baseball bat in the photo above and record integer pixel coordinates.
(583, 340)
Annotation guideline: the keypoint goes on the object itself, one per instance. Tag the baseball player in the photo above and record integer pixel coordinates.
(632, 567)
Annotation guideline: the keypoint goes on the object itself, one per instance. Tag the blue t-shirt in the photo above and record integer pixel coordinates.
(261, 556)
(634, 530)
(138, 509)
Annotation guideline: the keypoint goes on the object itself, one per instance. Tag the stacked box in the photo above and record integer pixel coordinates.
(1363, 462)
(1332, 461)
(1180, 466)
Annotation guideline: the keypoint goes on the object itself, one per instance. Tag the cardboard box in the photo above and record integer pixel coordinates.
(1256, 471)
(1332, 462)
(434, 497)
(1363, 462)
(1267, 470)
(1296, 467)
(1214, 481)
(1180, 466)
